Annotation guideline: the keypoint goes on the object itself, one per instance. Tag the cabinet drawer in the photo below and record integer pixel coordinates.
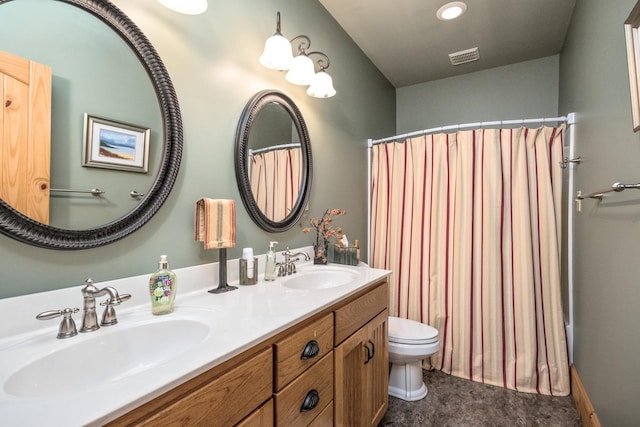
(354, 315)
(225, 400)
(315, 340)
(290, 400)
(325, 418)
(261, 417)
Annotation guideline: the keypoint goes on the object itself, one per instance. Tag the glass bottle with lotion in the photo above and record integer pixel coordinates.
(162, 288)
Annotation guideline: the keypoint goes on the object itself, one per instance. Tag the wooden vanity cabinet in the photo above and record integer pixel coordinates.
(335, 363)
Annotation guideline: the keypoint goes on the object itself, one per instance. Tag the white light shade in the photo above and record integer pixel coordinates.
(301, 71)
(322, 86)
(188, 7)
(277, 53)
(451, 10)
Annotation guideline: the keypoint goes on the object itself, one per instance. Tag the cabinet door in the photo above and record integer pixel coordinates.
(376, 375)
(362, 375)
(349, 380)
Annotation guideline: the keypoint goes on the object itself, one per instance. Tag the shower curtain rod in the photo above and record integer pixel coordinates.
(569, 119)
(273, 148)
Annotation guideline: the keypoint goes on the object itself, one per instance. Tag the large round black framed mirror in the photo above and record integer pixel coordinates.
(20, 227)
(273, 161)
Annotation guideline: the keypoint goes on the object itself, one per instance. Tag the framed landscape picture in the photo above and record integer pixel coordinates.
(115, 145)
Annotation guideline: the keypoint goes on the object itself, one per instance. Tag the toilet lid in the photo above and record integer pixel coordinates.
(405, 331)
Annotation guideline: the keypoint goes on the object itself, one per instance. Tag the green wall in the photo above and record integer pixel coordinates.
(213, 62)
(594, 83)
(524, 90)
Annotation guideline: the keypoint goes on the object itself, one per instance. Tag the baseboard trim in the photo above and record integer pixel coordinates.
(583, 404)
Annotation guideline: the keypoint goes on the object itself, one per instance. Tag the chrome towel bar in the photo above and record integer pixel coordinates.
(616, 186)
(93, 191)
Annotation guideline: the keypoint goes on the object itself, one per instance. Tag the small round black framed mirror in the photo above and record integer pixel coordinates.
(273, 161)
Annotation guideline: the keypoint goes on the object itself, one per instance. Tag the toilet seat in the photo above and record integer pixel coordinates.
(405, 331)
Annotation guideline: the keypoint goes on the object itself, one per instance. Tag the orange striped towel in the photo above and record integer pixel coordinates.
(216, 223)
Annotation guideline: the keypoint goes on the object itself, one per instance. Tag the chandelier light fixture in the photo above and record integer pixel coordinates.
(301, 69)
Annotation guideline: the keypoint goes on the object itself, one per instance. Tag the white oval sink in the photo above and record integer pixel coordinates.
(322, 277)
(107, 355)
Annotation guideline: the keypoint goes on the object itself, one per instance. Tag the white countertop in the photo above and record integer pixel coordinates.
(237, 321)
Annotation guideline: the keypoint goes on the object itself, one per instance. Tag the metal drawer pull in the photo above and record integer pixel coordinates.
(311, 400)
(370, 351)
(310, 350)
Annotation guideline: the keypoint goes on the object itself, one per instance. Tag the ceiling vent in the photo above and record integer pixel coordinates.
(464, 56)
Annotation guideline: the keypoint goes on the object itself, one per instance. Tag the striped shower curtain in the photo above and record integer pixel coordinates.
(275, 181)
(469, 223)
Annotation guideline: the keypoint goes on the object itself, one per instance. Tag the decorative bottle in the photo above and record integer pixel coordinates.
(270, 267)
(162, 288)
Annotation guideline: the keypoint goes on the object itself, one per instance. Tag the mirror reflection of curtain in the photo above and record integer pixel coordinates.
(470, 225)
(275, 181)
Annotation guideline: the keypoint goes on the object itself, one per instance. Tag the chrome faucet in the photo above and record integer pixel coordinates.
(288, 266)
(89, 316)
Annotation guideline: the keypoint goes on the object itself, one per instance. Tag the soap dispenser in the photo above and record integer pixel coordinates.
(162, 288)
(270, 268)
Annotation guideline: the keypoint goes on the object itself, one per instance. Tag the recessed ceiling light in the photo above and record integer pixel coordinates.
(451, 10)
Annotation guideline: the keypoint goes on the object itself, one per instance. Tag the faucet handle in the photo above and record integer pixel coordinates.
(109, 315)
(67, 327)
(116, 301)
(281, 269)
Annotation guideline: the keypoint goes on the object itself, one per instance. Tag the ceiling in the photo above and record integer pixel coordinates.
(410, 45)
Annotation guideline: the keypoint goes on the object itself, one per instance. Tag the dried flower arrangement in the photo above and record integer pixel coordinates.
(325, 230)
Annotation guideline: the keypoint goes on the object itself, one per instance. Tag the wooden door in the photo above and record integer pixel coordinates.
(25, 135)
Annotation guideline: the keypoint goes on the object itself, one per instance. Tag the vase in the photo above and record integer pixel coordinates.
(320, 252)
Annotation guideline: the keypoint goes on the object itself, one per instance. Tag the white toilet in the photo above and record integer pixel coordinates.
(409, 343)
